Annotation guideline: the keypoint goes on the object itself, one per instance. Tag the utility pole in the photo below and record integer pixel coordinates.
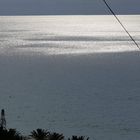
(2, 120)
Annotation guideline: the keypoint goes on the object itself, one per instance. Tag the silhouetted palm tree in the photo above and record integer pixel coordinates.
(39, 134)
(56, 136)
(78, 138)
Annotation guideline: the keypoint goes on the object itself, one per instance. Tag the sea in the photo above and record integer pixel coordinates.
(76, 75)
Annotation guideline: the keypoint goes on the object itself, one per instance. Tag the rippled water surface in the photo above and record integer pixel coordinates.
(73, 74)
(67, 34)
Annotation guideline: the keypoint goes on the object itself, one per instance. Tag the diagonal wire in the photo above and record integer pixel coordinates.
(121, 24)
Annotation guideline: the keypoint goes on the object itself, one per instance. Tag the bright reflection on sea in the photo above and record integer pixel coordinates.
(55, 35)
(47, 80)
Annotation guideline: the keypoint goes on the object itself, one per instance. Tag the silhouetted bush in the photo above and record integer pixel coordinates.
(10, 134)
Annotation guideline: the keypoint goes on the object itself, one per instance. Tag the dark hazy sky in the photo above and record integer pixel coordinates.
(62, 7)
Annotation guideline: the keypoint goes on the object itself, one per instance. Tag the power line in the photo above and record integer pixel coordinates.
(121, 24)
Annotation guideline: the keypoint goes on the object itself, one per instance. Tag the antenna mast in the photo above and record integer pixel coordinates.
(2, 120)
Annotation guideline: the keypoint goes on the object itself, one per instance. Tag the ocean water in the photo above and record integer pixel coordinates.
(78, 75)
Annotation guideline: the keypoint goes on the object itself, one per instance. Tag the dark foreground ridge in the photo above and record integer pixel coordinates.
(38, 134)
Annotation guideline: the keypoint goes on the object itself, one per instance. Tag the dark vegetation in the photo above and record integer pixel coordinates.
(38, 134)
(10, 134)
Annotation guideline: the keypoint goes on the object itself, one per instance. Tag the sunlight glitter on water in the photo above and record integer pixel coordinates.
(57, 35)
(94, 95)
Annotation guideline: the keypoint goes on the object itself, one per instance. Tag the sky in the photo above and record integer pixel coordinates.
(67, 7)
